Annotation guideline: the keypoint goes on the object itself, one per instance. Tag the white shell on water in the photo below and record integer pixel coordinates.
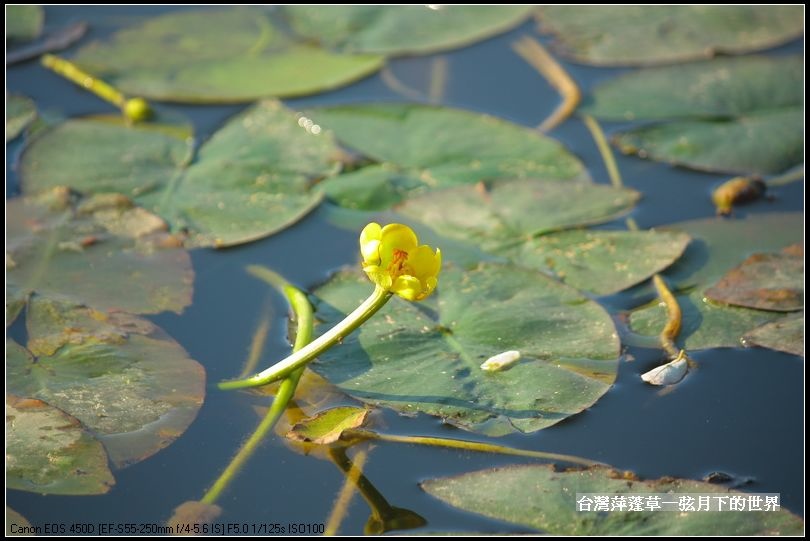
(500, 361)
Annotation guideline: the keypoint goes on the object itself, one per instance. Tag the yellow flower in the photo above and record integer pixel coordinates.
(393, 259)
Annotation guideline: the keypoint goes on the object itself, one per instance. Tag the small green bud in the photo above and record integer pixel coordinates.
(137, 109)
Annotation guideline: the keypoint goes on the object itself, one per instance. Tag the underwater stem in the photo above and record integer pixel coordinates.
(468, 446)
(303, 315)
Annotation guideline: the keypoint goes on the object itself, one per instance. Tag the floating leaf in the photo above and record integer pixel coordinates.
(783, 335)
(667, 374)
(243, 57)
(424, 147)
(736, 114)
(507, 219)
(539, 497)
(250, 180)
(717, 246)
(49, 451)
(633, 35)
(400, 30)
(100, 250)
(426, 357)
(23, 23)
(327, 426)
(119, 375)
(20, 111)
(765, 281)
(764, 143)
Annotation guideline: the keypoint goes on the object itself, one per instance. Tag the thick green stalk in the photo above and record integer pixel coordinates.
(303, 314)
(303, 356)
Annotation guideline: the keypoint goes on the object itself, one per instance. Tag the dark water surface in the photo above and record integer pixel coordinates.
(740, 412)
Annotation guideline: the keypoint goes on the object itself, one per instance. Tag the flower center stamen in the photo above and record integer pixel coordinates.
(397, 267)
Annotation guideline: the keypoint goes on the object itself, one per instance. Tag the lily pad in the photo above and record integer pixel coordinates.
(23, 23)
(250, 180)
(424, 147)
(401, 30)
(539, 497)
(718, 245)
(134, 388)
(765, 281)
(327, 426)
(733, 115)
(640, 35)
(101, 250)
(783, 335)
(49, 451)
(20, 111)
(243, 57)
(521, 220)
(426, 357)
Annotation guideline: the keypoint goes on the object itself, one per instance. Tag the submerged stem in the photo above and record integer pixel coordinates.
(468, 446)
(346, 493)
(304, 318)
(303, 356)
(536, 55)
(604, 149)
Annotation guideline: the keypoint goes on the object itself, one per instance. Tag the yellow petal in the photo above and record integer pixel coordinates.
(379, 276)
(425, 262)
(407, 287)
(370, 242)
(396, 237)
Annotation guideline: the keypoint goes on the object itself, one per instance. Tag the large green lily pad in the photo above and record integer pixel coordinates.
(49, 451)
(100, 250)
(423, 147)
(23, 23)
(20, 111)
(399, 30)
(130, 385)
(544, 499)
(426, 357)
(522, 220)
(250, 180)
(235, 54)
(639, 35)
(57, 241)
(733, 115)
(718, 246)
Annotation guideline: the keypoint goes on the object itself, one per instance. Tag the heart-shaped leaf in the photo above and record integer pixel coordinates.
(101, 250)
(633, 35)
(129, 384)
(738, 115)
(49, 451)
(718, 246)
(244, 56)
(400, 30)
(250, 180)
(427, 356)
(423, 148)
(544, 499)
(522, 220)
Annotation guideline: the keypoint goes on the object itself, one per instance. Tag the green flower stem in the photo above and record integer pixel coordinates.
(303, 314)
(134, 109)
(467, 446)
(303, 356)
